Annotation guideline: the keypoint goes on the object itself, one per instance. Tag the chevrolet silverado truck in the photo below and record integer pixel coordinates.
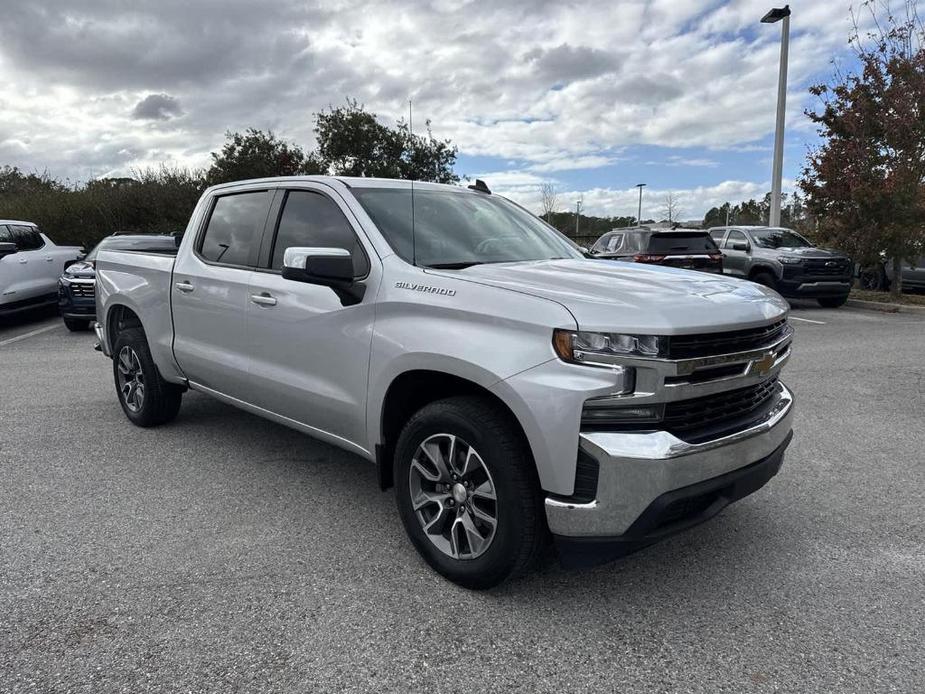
(508, 388)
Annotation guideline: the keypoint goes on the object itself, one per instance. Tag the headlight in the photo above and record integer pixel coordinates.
(605, 349)
(789, 260)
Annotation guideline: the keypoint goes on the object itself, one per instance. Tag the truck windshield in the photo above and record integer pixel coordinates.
(459, 229)
(778, 238)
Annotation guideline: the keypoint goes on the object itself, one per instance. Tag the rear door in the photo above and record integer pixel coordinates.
(309, 349)
(209, 292)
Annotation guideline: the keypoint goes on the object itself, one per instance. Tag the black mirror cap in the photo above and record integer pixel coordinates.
(740, 246)
(7, 248)
(326, 270)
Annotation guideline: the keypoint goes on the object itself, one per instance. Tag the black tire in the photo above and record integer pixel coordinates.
(765, 278)
(520, 533)
(160, 400)
(872, 279)
(832, 301)
(76, 325)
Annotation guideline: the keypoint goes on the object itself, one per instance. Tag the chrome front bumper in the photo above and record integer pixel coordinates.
(637, 468)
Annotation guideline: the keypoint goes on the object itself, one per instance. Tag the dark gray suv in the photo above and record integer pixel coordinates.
(785, 261)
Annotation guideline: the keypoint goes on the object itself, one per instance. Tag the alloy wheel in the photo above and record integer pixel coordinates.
(131, 379)
(453, 496)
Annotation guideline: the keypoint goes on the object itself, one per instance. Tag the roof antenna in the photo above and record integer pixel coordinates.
(414, 256)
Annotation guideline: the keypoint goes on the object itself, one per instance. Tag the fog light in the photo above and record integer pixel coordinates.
(611, 411)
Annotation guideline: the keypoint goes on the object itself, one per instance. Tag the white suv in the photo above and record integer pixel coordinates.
(30, 263)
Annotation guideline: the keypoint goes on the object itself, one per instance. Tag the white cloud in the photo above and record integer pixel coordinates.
(555, 86)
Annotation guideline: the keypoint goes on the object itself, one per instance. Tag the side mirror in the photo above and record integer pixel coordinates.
(7, 248)
(739, 246)
(327, 267)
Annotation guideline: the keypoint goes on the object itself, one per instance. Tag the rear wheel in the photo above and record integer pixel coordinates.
(832, 301)
(76, 325)
(872, 278)
(467, 492)
(146, 398)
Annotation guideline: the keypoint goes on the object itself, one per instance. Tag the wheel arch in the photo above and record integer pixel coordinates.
(413, 389)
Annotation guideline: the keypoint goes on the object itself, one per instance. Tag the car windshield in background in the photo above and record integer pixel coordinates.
(681, 243)
(459, 229)
(150, 244)
(779, 238)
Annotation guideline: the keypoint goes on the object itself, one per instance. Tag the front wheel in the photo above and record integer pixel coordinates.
(146, 398)
(765, 278)
(76, 325)
(832, 301)
(467, 492)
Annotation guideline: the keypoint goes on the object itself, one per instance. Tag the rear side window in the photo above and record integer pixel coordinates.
(717, 236)
(314, 220)
(232, 236)
(26, 238)
(681, 243)
(5, 235)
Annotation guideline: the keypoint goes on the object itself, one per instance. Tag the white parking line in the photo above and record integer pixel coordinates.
(29, 334)
(807, 320)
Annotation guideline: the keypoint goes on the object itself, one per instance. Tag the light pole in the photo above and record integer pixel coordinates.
(639, 213)
(577, 215)
(775, 15)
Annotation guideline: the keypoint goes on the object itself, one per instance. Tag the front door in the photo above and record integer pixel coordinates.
(209, 293)
(309, 349)
(735, 261)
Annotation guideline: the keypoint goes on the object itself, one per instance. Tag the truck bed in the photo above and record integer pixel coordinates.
(149, 276)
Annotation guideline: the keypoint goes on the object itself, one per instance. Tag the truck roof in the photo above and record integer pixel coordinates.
(349, 181)
(17, 221)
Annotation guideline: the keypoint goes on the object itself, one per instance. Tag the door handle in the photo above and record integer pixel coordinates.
(49, 259)
(263, 299)
(184, 287)
(23, 261)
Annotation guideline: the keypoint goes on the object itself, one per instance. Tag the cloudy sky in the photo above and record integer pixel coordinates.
(593, 96)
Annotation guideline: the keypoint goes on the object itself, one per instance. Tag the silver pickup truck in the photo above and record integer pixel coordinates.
(510, 389)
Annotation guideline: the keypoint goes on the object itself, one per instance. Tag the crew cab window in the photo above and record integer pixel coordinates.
(235, 226)
(314, 220)
(735, 237)
(25, 237)
(5, 235)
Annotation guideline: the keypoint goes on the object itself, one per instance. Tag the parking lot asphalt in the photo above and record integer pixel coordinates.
(224, 553)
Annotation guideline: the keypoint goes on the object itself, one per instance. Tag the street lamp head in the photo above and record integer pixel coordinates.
(776, 14)
(640, 185)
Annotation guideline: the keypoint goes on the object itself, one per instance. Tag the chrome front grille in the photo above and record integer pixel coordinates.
(83, 289)
(711, 344)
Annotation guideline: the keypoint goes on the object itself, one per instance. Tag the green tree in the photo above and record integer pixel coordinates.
(258, 154)
(352, 142)
(865, 184)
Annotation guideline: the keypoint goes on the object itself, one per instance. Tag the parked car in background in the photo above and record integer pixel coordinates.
(785, 261)
(507, 386)
(880, 276)
(77, 284)
(688, 249)
(30, 263)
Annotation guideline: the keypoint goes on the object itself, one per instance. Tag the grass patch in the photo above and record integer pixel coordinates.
(907, 298)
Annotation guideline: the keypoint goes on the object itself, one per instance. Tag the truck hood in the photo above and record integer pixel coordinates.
(635, 298)
(811, 252)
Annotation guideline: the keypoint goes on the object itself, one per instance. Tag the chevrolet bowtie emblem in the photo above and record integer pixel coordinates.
(765, 364)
